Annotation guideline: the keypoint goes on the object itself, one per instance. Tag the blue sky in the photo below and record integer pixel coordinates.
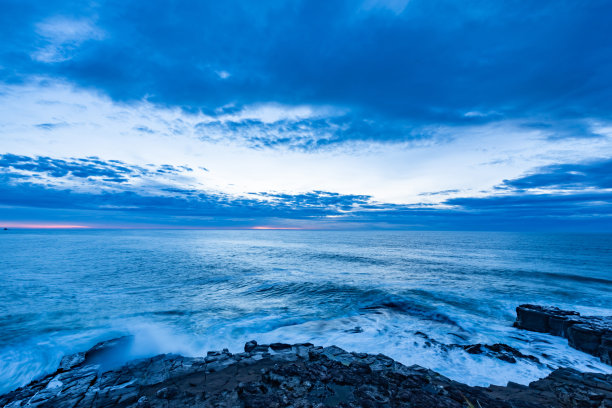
(307, 114)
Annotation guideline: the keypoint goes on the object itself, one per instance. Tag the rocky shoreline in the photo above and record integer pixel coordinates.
(297, 375)
(590, 334)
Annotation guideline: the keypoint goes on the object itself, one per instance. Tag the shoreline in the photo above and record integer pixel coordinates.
(283, 375)
(302, 375)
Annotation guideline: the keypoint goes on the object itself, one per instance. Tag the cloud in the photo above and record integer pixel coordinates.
(223, 74)
(61, 37)
(50, 126)
(541, 205)
(108, 193)
(162, 205)
(572, 176)
(98, 185)
(311, 133)
(90, 167)
(426, 113)
(423, 62)
(396, 6)
(561, 193)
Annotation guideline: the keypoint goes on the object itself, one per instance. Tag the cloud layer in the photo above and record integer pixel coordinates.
(107, 190)
(340, 114)
(440, 62)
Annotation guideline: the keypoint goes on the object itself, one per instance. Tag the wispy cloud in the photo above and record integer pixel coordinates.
(60, 38)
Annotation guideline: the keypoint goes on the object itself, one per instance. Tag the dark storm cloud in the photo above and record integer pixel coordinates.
(444, 62)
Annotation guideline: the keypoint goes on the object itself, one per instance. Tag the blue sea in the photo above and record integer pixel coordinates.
(191, 291)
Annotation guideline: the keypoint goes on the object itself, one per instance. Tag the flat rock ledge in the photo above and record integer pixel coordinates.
(283, 375)
(591, 334)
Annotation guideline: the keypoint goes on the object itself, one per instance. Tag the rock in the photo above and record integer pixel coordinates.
(605, 348)
(533, 319)
(167, 393)
(499, 351)
(249, 346)
(559, 325)
(591, 334)
(261, 348)
(106, 353)
(70, 361)
(302, 375)
(143, 402)
(280, 346)
(584, 338)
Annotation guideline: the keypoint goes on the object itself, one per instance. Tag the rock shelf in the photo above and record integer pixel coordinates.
(591, 334)
(284, 375)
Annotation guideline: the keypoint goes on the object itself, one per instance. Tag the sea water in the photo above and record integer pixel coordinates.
(189, 292)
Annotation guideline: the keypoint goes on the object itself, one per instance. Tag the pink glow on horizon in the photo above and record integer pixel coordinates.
(34, 225)
(41, 226)
(264, 227)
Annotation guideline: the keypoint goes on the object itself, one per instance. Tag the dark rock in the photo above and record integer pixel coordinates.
(143, 402)
(537, 318)
(249, 346)
(167, 392)
(585, 338)
(499, 351)
(605, 348)
(320, 377)
(532, 319)
(559, 325)
(590, 334)
(261, 348)
(355, 330)
(504, 352)
(70, 361)
(280, 346)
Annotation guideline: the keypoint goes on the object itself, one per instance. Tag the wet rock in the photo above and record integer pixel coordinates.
(70, 361)
(261, 348)
(313, 377)
(605, 348)
(354, 330)
(536, 318)
(143, 402)
(585, 338)
(167, 393)
(591, 334)
(280, 346)
(249, 346)
(499, 351)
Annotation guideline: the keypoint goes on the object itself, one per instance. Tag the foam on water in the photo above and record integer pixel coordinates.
(187, 292)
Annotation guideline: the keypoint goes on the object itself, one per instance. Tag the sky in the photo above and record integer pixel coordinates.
(361, 114)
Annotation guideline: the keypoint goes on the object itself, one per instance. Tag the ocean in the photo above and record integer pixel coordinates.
(191, 291)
